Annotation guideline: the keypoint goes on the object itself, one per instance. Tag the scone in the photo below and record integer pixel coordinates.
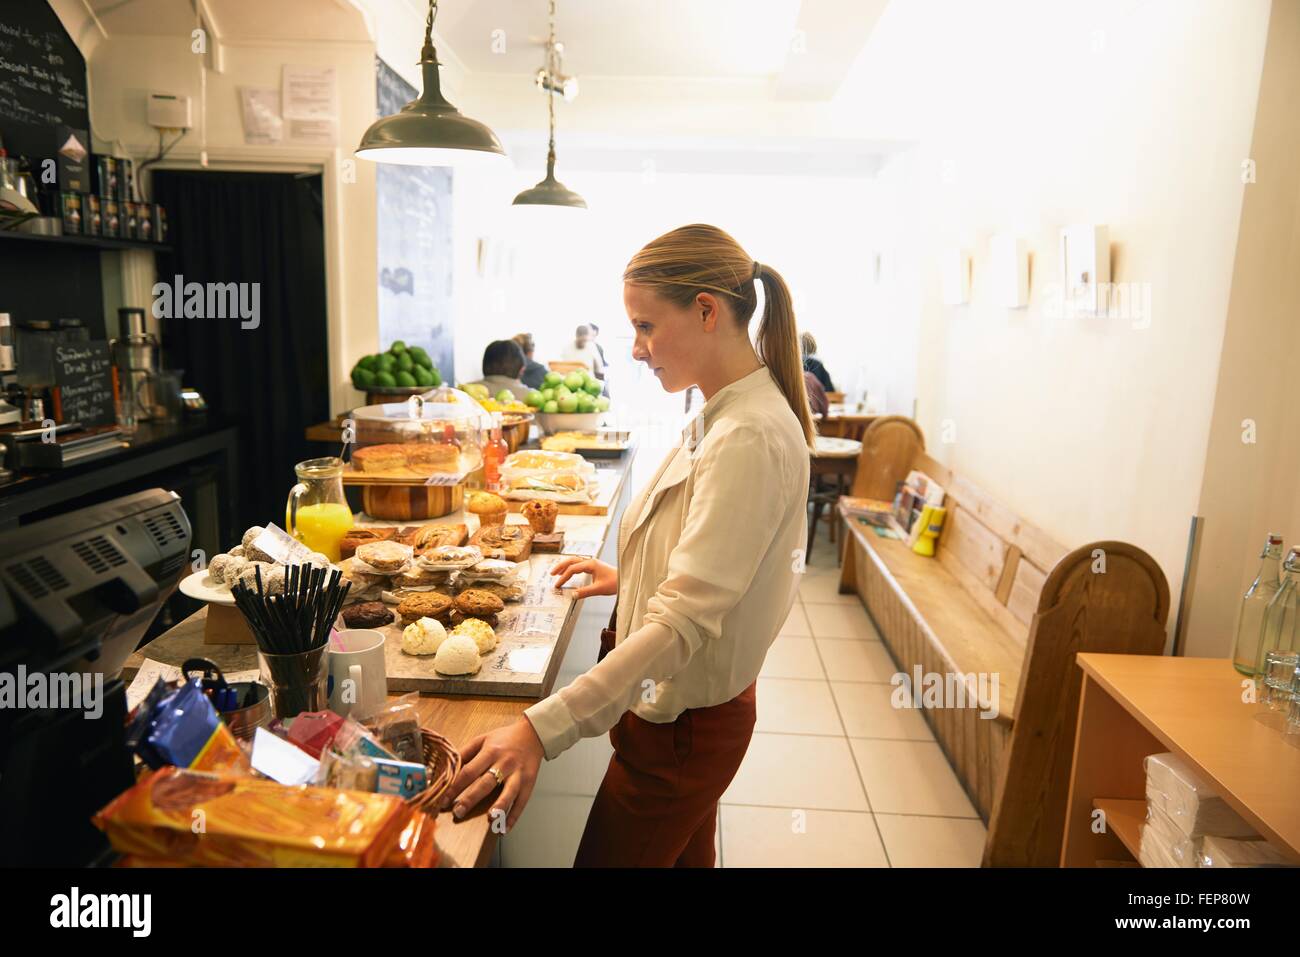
(423, 637)
(485, 638)
(541, 515)
(490, 508)
(357, 536)
(478, 603)
(457, 656)
(379, 458)
(387, 557)
(429, 604)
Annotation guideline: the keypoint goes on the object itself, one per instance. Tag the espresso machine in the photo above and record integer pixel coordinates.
(9, 413)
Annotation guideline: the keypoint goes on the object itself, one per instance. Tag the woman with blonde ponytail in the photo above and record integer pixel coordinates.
(709, 556)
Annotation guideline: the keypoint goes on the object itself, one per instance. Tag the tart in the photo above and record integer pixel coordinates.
(378, 458)
(426, 458)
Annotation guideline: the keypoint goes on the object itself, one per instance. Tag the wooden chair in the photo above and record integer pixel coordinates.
(834, 396)
(889, 446)
(1118, 607)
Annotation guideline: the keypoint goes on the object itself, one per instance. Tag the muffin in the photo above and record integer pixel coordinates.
(478, 603)
(491, 509)
(541, 515)
(389, 558)
(430, 604)
(369, 614)
(423, 637)
(457, 656)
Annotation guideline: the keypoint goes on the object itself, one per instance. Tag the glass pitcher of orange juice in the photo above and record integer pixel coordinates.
(317, 513)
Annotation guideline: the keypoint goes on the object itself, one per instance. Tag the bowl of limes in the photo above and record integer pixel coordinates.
(569, 402)
(401, 371)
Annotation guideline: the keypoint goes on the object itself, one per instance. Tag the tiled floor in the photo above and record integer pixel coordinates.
(835, 775)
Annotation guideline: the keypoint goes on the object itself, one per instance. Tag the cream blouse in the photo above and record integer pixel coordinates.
(709, 556)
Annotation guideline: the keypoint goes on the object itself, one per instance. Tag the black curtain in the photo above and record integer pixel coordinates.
(264, 228)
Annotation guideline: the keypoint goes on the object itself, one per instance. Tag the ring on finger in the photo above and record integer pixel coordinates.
(496, 773)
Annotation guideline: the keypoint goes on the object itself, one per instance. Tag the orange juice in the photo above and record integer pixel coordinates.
(322, 526)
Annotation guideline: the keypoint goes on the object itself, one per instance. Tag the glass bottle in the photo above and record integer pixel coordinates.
(1279, 630)
(1250, 623)
(495, 451)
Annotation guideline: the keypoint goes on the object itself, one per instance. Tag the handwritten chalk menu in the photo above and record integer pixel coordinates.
(42, 79)
(83, 372)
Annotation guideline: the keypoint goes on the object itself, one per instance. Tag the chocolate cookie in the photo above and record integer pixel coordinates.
(429, 604)
(369, 614)
(478, 603)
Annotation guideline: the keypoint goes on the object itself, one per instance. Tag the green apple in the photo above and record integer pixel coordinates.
(397, 347)
(548, 395)
(505, 395)
(534, 399)
(553, 379)
(586, 403)
(594, 387)
(568, 404)
(561, 391)
(574, 381)
(602, 403)
(551, 406)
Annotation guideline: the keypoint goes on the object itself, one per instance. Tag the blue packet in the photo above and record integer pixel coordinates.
(182, 727)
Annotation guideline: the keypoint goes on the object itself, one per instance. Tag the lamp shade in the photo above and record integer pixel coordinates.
(429, 131)
(550, 192)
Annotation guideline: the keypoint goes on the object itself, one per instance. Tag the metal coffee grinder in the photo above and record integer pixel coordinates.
(135, 355)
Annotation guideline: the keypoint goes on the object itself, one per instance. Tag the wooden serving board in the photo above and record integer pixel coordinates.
(527, 633)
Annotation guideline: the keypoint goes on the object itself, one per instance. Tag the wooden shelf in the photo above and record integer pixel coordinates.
(87, 242)
(1124, 819)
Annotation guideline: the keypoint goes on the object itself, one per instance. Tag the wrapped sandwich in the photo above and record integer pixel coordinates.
(557, 486)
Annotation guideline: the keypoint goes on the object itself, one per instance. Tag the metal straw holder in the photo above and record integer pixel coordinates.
(297, 681)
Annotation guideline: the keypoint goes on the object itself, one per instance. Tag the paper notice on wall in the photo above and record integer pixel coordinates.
(263, 124)
(310, 104)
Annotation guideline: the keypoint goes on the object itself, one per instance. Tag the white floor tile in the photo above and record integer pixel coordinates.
(793, 706)
(791, 657)
(799, 771)
(840, 621)
(823, 588)
(788, 837)
(868, 712)
(796, 624)
(932, 841)
(848, 660)
(910, 777)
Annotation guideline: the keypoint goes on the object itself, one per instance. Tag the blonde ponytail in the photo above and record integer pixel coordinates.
(778, 347)
(692, 259)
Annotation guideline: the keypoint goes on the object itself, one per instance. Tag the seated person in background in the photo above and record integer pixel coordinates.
(534, 372)
(583, 349)
(816, 394)
(808, 346)
(503, 361)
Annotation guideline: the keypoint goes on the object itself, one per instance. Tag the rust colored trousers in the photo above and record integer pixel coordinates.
(658, 803)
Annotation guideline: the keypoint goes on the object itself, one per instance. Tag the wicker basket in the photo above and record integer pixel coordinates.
(443, 762)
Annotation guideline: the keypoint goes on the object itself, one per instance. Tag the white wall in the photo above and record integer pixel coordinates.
(1031, 116)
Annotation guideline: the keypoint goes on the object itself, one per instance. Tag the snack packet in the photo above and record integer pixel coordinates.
(397, 726)
(186, 731)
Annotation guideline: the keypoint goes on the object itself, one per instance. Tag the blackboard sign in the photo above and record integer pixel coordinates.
(42, 81)
(83, 372)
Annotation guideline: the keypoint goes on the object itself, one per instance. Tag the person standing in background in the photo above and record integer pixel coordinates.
(583, 349)
(808, 346)
(534, 372)
(595, 341)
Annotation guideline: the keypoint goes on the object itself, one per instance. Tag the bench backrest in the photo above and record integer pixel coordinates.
(999, 558)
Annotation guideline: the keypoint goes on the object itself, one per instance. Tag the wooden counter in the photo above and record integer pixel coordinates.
(466, 843)
(1136, 705)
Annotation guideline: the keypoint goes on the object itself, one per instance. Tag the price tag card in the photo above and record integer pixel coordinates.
(535, 624)
(582, 549)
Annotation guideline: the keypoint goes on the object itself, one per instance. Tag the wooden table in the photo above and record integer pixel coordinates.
(469, 842)
(840, 466)
(841, 423)
(1136, 705)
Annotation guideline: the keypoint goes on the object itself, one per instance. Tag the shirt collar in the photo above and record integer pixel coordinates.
(729, 393)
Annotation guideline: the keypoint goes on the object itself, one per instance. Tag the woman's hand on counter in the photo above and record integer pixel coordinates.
(516, 752)
(604, 578)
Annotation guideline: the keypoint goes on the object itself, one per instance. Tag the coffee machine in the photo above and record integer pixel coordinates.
(9, 414)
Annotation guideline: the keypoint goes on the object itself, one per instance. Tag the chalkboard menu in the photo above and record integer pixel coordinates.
(42, 80)
(83, 372)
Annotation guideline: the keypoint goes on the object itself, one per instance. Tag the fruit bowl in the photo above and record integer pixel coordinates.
(552, 422)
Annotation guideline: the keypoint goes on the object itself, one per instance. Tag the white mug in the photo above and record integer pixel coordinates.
(358, 679)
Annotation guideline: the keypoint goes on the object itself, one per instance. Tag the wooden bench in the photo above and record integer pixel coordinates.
(1001, 597)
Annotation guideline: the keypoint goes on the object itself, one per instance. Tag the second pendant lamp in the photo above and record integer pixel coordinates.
(550, 191)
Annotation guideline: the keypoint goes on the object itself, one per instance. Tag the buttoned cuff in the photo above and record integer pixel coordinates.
(554, 725)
